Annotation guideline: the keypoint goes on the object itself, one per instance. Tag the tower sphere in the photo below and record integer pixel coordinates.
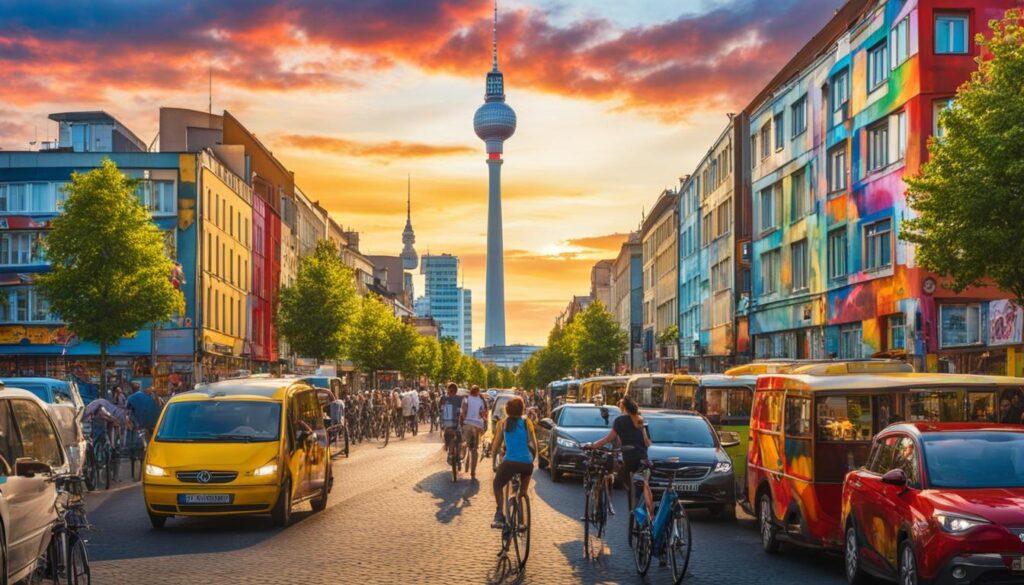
(494, 123)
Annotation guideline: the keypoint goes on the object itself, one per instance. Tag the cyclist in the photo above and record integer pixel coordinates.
(106, 419)
(144, 407)
(516, 435)
(410, 407)
(474, 421)
(451, 407)
(629, 429)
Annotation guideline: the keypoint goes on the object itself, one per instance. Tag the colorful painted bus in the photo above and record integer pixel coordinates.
(810, 427)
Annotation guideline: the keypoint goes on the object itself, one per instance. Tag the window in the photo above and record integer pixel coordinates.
(959, 325)
(24, 305)
(771, 206)
(881, 458)
(38, 438)
(32, 197)
(799, 112)
(896, 332)
(878, 65)
(770, 265)
(798, 257)
(753, 158)
(850, 341)
(780, 130)
(837, 253)
(837, 169)
(845, 418)
(906, 459)
(899, 43)
(878, 245)
(157, 197)
(765, 141)
(22, 248)
(798, 417)
(840, 96)
(951, 31)
(724, 212)
(878, 146)
(901, 135)
(939, 106)
(799, 203)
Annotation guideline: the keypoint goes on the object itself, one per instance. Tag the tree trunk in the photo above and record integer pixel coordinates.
(103, 369)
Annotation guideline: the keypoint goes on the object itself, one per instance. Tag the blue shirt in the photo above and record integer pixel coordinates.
(145, 408)
(517, 441)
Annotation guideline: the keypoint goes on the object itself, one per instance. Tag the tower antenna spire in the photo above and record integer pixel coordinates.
(408, 198)
(495, 31)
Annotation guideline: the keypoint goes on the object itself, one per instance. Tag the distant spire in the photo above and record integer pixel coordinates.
(495, 35)
(408, 199)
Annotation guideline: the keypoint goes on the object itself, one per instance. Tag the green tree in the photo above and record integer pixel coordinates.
(598, 343)
(556, 360)
(969, 197)
(450, 357)
(669, 336)
(110, 274)
(372, 335)
(314, 312)
(425, 358)
(476, 373)
(401, 344)
(526, 375)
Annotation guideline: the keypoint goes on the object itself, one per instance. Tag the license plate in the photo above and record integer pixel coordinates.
(204, 498)
(1018, 564)
(681, 486)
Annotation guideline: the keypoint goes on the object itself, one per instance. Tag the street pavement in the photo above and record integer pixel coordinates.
(395, 517)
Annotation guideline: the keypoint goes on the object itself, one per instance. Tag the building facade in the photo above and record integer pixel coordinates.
(693, 273)
(450, 305)
(833, 137)
(627, 293)
(659, 237)
(506, 356)
(601, 282)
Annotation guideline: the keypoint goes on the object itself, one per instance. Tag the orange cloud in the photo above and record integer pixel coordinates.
(608, 243)
(384, 151)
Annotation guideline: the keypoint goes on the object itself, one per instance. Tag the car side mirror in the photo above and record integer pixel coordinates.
(896, 477)
(547, 423)
(28, 467)
(728, 439)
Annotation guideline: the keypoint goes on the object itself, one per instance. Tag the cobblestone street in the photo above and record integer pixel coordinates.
(395, 517)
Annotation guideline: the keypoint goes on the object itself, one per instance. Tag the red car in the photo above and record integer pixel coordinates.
(938, 503)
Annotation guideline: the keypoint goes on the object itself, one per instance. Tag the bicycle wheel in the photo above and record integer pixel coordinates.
(679, 544)
(593, 526)
(632, 518)
(524, 530)
(77, 561)
(345, 431)
(642, 548)
(455, 458)
(89, 470)
(513, 529)
(385, 431)
(103, 468)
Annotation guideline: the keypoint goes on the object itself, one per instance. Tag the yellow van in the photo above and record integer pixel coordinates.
(247, 446)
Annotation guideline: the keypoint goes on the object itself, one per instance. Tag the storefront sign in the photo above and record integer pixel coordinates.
(22, 335)
(1005, 321)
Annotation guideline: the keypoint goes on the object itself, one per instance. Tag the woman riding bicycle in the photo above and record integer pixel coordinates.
(517, 436)
(629, 429)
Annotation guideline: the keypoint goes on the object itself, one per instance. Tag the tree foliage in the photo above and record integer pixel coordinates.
(598, 342)
(450, 358)
(669, 335)
(969, 197)
(372, 335)
(314, 312)
(110, 274)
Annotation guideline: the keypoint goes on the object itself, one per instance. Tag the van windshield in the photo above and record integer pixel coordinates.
(221, 421)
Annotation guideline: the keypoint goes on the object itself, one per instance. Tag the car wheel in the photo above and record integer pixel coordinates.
(157, 520)
(556, 476)
(320, 502)
(282, 512)
(908, 564)
(766, 522)
(851, 555)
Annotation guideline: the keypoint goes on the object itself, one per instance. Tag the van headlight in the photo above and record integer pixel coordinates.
(567, 443)
(155, 471)
(265, 470)
(723, 467)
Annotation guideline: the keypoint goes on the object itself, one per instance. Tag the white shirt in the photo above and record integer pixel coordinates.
(474, 404)
(410, 401)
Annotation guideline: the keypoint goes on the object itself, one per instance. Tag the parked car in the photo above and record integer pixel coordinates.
(686, 444)
(938, 502)
(31, 454)
(65, 406)
(250, 446)
(571, 425)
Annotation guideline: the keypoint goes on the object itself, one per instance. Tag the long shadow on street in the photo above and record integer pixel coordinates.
(451, 498)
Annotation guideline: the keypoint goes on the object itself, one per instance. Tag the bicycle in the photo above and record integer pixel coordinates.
(600, 465)
(135, 444)
(453, 438)
(66, 560)
(105, 461)
(667, 534)
(515, 530)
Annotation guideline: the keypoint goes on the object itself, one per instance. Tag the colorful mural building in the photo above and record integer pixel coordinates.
(32, 340)
(831, 139)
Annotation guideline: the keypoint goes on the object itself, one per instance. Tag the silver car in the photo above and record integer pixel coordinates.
(31, 454)
(65, 406)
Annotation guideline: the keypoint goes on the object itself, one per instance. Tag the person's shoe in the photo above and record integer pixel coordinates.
(611, 507)
(499, 520)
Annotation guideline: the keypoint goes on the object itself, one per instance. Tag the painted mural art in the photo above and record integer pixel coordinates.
(35, 335)
(1005, 323)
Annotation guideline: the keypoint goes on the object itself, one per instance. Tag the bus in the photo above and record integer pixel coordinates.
(610, 388)
(808, 428)
(563, 391)
(649, 390)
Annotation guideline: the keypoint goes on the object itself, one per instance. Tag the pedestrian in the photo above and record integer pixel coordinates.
(118, 398)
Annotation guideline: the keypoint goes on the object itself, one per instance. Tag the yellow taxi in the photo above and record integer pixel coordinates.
(248, 446)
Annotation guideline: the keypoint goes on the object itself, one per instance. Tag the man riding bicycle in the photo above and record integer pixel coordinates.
(451, 409)
(474, 422)
(516, 434)
(144, 408)
(106, 418)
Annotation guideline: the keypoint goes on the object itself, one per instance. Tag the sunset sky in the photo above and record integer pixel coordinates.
(615, 99)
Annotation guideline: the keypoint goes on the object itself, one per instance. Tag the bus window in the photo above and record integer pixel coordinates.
(935, 406)
(981, 406)
(714, 402)
(681, 397)
(798, 437)
(740, 400)
(649, 393)
(613, 392)
(845, 418)
(1011, 406)
(765, 431)
(885, 415)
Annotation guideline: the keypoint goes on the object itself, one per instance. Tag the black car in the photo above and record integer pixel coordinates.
(570, 426)
(687, 444)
